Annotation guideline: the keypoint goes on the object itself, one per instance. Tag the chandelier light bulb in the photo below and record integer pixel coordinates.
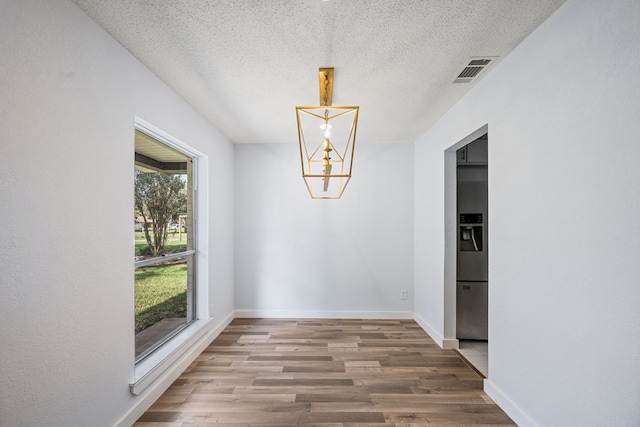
(326, 127)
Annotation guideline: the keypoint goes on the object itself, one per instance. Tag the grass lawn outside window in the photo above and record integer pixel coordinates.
(160, 292)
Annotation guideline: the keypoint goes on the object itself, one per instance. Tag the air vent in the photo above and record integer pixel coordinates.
(472, 70)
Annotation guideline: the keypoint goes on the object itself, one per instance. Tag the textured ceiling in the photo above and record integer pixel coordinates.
(246, 64)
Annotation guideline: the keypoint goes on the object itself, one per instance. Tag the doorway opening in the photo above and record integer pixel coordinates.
(472, 278)
(466, 237)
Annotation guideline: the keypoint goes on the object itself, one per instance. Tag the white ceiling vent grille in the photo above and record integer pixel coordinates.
(471, 71)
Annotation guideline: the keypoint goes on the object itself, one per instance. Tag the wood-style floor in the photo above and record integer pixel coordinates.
(325, 373)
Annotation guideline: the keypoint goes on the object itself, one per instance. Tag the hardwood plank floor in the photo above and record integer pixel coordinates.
(325, 373)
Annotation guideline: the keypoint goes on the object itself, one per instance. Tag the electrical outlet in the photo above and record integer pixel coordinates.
(403, 294)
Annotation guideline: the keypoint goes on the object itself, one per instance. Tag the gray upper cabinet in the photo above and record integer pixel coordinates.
(474, 153)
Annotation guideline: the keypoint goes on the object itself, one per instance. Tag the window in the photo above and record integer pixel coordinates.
(164, 240)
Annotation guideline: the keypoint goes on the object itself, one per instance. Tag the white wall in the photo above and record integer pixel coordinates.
(323, 258)
(70, 94)
(564, 296)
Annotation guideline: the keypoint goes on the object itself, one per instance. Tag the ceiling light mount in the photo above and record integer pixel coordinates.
(325, 82)
(326, 167)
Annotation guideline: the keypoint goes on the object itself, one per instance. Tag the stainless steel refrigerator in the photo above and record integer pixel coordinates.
(472, 260)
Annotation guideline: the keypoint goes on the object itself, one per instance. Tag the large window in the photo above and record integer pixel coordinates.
(164, 239)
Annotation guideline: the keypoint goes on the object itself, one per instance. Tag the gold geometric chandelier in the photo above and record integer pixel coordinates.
(331, 131)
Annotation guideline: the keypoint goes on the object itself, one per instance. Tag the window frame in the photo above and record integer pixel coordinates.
(157, 362)
(188, 254)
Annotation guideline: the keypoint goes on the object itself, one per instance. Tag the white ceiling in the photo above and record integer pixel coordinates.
(246, 64)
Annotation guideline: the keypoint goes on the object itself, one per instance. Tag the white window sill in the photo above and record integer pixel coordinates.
(160, 361)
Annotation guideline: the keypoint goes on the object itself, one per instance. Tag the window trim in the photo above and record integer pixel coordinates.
(156, 364)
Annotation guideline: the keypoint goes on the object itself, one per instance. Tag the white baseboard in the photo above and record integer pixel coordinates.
(445, 343)
(450, 344)
(309, 314)
(175, 367)
(508, 406)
